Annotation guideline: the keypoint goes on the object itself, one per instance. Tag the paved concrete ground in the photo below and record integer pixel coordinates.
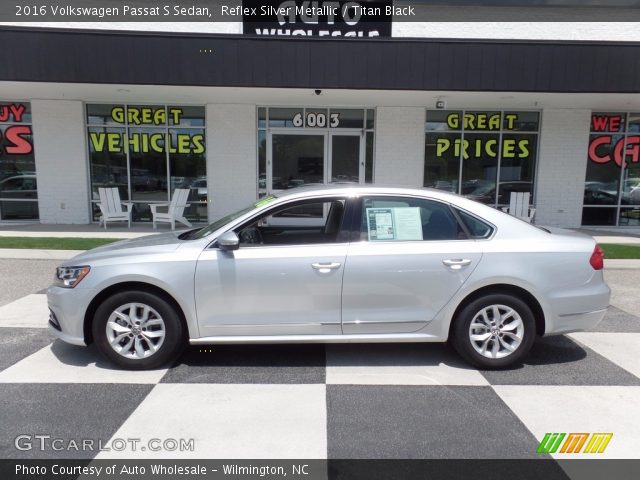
(315, 401)
(22, 277)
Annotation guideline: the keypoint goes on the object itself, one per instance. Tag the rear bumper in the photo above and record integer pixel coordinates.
(580, 308)
(577, 322)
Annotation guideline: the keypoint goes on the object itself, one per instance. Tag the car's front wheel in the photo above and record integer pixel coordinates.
(137, 330)
(494, 331)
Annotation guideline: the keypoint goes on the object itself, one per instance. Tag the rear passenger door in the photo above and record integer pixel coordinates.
(412, 256)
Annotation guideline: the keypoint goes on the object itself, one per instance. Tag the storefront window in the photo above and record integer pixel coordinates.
(484, 155)
(147, 151)
(18, 183)
(612, 182)
(299, 146)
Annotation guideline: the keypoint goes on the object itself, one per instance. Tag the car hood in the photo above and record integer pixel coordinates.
(150, 244)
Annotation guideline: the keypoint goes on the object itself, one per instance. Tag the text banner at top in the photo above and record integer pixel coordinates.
(314, 12)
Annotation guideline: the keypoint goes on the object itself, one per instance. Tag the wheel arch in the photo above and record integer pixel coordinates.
(124, 287)
(519, 292)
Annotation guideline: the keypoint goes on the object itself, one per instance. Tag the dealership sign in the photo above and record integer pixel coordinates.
(15, 139)
(141, 140)
(484, 145)
(348, 19)
(612, 146)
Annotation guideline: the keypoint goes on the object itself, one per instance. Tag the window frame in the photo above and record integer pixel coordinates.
(342, 238)
(357, 220)
(501, 132)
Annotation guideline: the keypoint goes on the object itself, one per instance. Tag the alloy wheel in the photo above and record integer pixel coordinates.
(135, 330)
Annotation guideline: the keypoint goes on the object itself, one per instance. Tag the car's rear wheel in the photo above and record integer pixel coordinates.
(494, 331)
(138, 330)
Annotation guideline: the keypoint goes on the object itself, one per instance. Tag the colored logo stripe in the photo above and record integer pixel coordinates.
(574, 442)
(598, 442)
(550, 442)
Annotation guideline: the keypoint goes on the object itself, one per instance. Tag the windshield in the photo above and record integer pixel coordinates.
(212, 227)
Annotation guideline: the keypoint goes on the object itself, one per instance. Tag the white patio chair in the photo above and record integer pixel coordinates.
(519, 206)
(111, 207)
(175, 209)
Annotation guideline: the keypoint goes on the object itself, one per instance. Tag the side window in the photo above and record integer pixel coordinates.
(407, 219)
(299, 223)
(476, 227)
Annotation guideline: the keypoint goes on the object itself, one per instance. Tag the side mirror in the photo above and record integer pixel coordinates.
(228, 241)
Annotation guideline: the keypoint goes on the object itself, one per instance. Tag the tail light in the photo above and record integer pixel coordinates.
(597, 258)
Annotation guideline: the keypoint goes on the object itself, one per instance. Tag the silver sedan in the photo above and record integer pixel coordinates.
(335, 264)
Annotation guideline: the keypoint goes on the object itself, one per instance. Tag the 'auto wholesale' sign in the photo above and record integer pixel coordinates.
(317, 18)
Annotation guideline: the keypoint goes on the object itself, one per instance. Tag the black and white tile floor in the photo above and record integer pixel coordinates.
(312, 401)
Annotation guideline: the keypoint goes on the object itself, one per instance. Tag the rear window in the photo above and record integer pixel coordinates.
(477, 228)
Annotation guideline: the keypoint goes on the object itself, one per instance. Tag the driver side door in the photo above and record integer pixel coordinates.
(286, 277)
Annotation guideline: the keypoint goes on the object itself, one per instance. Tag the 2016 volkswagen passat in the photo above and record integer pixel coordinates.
(335, 264)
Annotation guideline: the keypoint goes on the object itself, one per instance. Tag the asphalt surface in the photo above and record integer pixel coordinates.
(22, 277)
(370, 401)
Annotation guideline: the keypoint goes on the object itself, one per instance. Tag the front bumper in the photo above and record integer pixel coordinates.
(68, 306)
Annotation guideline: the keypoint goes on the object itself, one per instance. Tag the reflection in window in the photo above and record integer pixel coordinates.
(612, 181)
(18, 187)
(481, 154)
(147, 151)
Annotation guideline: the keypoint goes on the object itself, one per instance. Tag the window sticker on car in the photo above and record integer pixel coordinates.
(400, 223)
(264, 201)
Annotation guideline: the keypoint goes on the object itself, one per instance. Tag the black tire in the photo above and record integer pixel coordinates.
(171, 346)
(465, 347)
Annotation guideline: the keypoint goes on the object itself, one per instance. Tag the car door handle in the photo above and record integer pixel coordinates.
(456, 263)
(325, 267)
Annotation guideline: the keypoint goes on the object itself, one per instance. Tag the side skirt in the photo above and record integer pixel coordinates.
(362, 338)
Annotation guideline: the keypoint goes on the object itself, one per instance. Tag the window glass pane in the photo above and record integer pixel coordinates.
(148, 169)
(345, 158)
(598, 216)
(368, 165)
(18, 186)
(442, 120)
(370, 119)
(442, 161)
(297, 160)
(631, 184)
(284, 117)
(105, 114)
(187, 169)
(185, 116)
(603, 174)
(136, 157)
(262, 163)
(476, 227)
(479, 166)
(634, 123)
(346, 118)
(630, 217)
(521, 121)
(303, 223)
(262, 118)
(407, 219)
(107, 163)
(517, 166)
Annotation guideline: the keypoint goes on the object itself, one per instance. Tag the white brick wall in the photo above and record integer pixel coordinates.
(399, 154)
(562, 164)
(231, 158)
(61, 161)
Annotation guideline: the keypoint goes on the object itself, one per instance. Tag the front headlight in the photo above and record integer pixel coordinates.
(69, 277)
